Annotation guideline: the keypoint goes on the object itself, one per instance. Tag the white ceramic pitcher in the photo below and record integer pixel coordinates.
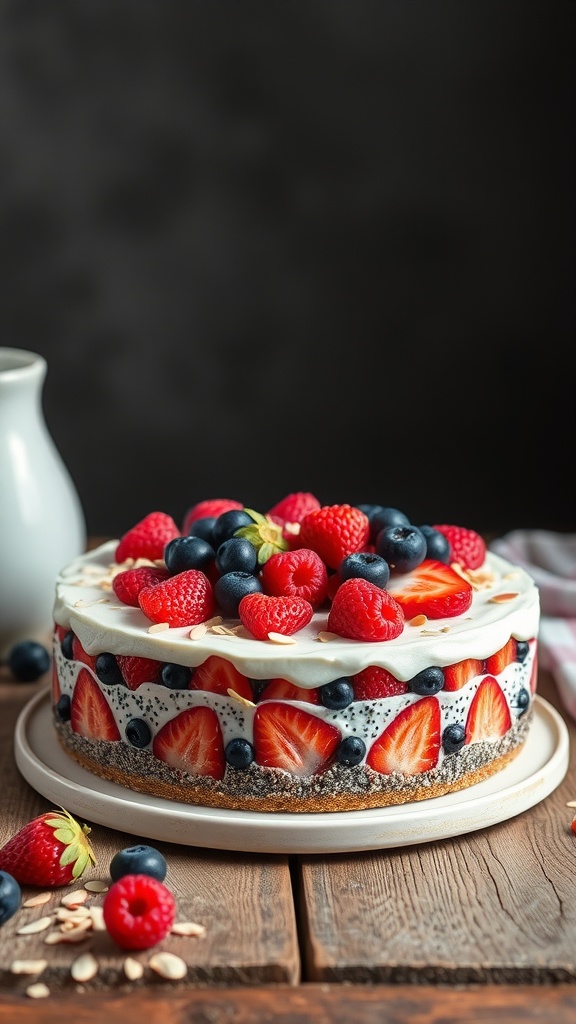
(42, 525)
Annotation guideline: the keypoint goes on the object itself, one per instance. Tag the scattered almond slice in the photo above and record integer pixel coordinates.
(55, 938)
(418, 620)
(133, 969)
(97, 885)
(84, 968)
(39, 900)
(158, 627)
(97, 915)
(571, 803)
(214, 621)
(281, 638)
(40, 925)
(75, 899)
(38, 991)
(187, 928)
(241, 700)
(28, 966)
(168, 965)
(223, 631)
(324, 636)
(75, 914)
(197, 632)
(501, 598)
(83, 924)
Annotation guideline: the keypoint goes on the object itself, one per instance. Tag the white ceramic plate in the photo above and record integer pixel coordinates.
(530, 778)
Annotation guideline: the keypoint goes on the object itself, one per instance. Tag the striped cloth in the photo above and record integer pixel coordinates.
(550, 558)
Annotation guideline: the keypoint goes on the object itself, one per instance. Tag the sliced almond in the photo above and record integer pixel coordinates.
(39, 900)
(281, 638)
(97, 915)
(418, 620)
(159, 627)
(501, 598)
(187, 928)
(324, 636)
(84, 968)
(74, 899)
(241, 700)
(68, 914)
(83, 924)
(571, 803)
(28, 966)
(55, 938)
(197, 632)
(133, 969)
(40, 925)
(168, 965)
(37, 991)
(214, 621)
(97, 885)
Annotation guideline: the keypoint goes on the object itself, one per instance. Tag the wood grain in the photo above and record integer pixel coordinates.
(495, 905)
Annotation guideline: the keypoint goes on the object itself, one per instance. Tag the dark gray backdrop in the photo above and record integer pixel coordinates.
(320, 246)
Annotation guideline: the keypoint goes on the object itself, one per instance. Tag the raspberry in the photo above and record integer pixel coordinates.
(211, 508)
(294, 507)
(182, 600)
(335, 531)
(148, 538)
(128, 584)
(136, 671)
(466, 546)
(299, 573)
(262, 614)
(139, 911)
(375, 682)
(362, 611)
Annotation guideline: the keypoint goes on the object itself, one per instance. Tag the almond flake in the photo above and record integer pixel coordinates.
(169, 966)
(571, 803)
(241, 700)
(75, 899)
(40, 925)
(28, 966)
(77, 914)
(324, 636)
(214, 621)
(84, 968)
(133, 969)
(159, 627)
(500, 598)
(39, 900)
(197, 632)
(418, 620)
(281, 638)
(223, 630)
(38, 991)
(55, 938)
(82, 924)
(187, 928)
(97, 915)
(97, 885)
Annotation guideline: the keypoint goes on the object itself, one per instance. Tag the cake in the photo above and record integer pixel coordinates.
(312, 658)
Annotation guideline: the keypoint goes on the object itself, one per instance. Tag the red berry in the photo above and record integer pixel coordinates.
(432, 589)
(182, 600)
(139, 911)
(362, 611)
(411, 743)
(374, 682)
(262, 614)
(52, 849)
(128, 584)
(466, 546)
(211, 508)
(334, 531)
(136, 671)
(294, 507)
(148, 538)
(299, 573)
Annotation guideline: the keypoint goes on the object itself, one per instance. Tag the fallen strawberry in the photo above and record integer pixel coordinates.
(50, 850)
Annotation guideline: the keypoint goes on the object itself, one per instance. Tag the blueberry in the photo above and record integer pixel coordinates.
(231, 588)
(203, 528)
(403, 547)
(63, 708)
(10, 897)
(66, 645)
(236, 555)
(453, 738)
(522, 701)
(175, 677)
(138, 860)
(366, 566)
(28, 661)
(383, 517)
(437, 545)
(351, 750)
(138, 732)
(522, 649)
(239, 752)
(227, 524)
(108, 670)
(190, 552)
(427, 682)
(337, 694)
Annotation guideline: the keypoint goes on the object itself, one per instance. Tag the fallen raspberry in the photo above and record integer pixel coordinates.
(262, 614)
(148, 538)
(299, 573)
(139, 911)
(334, 531)
(466, 546)
(182, 600)
(128, 584)
(362, 611)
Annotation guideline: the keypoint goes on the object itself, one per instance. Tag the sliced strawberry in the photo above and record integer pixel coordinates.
(90, 713)
(432, 589)
(496, 663)
(411, 743)
(534, 672)
(488, 716)
(283, 689)
(192, 742)
(374, 682)
(56, 690)
(79, 654)
(60, 632)
(217, 675)
(290, 738)
(456, 676)
(136, 671)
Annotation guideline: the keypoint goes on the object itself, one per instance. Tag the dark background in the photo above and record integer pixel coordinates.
(321, 246)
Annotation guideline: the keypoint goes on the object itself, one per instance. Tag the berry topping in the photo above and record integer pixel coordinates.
(138, 860)
(453, 738)
(230, 588)
(217, 675)
(90, 713)
(210, 508)
(381, 517)
(290, 738)
(466, 546)
(283, 689)
(294, 507)
(337, 694)
(10, 896)
(262, 614)
(298, 573)
(456, 676)
(239, 752)
(136, 671)
(264, 534)
(28, 660)
(138, 911)
(427, 682)
(365, 565)
(403, 547)
(351, 751)
(50, 850)
(373, 683)
(226, 525)
(488, 715)
(192, 742)
(183, 600)
(432, 589)
(188, 553)
(128, 584)
(362, 611)
(236, 555)
(411, 743)
(437, 545)
(148, 538)
(334, 531)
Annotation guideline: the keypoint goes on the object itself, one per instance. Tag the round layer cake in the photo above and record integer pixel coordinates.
(306, 719)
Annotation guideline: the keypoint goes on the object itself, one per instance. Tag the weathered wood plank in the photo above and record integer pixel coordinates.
(244, 901)
(303, 1004)
(496, 905)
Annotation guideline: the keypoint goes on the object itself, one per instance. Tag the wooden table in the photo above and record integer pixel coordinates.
(481, 927)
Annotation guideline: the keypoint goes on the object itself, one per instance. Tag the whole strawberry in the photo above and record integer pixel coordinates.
(51, 850)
